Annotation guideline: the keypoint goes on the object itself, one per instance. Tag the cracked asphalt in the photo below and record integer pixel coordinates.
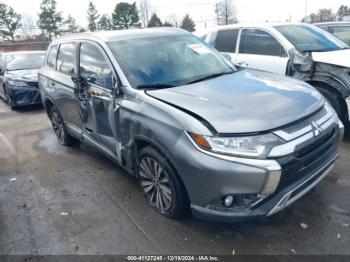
(58, 200)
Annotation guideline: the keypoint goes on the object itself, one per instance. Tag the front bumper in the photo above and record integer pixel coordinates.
(270, 205)
(302, 163)
(21, 96)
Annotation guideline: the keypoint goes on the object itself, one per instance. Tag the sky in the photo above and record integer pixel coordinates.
(202, 11)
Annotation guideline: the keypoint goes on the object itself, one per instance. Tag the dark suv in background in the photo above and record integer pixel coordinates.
(192, 129)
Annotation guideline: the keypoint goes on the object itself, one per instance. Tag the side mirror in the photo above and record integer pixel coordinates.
(227, 56)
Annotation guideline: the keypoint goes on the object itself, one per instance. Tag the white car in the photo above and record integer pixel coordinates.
(302, 51)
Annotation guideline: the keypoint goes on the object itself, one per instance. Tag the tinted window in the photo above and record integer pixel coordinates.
(226, 41)
(66, 58)
(51, 57)
(308, 38)
(94, 68)
(343, 33)
(255, 41)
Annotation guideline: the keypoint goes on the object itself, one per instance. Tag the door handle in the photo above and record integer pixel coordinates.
(53, 84)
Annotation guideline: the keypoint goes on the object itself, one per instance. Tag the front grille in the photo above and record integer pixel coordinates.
(306, 122)
(308, 157)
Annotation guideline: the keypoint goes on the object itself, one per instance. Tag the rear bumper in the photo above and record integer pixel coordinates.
(21, 96)
(272, 204)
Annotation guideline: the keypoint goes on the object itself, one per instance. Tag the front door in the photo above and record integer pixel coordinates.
(258, 49)
(100, 109)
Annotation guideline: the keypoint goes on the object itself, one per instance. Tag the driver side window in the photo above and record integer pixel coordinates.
(94, 68)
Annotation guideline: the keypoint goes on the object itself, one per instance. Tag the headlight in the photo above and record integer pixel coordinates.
(246, 146)
(17, 83)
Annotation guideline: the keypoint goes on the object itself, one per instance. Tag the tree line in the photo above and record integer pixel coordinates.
(327, 15)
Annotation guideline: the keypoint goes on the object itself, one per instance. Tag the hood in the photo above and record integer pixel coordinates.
(246, 101)
(340, 57)
(26, 75)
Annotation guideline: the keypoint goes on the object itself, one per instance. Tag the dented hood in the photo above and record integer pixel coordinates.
(245, 101)
(340, 57)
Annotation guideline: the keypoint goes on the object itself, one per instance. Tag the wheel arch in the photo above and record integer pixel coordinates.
(334, 89)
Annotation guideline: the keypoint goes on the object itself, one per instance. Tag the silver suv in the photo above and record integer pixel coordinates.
(192, 129)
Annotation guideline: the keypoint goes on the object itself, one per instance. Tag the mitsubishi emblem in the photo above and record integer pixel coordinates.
(316, 129)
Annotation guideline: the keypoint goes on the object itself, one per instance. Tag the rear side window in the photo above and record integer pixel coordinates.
(51, 57)
(343, 33)
(94, 68)
(66, 59)
(259, 42)
(226, 40)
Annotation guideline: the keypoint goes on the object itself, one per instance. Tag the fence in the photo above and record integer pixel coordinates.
(23, 46)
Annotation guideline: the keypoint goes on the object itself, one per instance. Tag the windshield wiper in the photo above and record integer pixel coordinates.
(155, 86)
(209, 77)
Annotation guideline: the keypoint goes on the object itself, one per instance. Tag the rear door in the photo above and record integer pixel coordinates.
(97, 74)
(65, 89)
(258, 49)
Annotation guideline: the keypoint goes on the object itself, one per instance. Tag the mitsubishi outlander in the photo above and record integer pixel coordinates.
(195, 132)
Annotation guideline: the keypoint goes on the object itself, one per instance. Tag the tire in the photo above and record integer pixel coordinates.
(336, 102)
(9, 100)
(63, 137)
(164, 192)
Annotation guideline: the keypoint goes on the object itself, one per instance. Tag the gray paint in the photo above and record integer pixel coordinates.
(243, 102)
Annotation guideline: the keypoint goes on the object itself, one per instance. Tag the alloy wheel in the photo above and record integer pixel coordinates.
(58, 127)
(155, 183)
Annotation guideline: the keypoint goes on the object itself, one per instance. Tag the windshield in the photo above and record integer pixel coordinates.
(25, 61)
(310, 38)
(168, 61)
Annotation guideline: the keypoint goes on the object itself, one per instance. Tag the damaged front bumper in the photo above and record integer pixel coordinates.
(21, 96)
(259, 188)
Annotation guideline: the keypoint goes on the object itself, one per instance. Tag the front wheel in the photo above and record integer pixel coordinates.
(63, 137)
(163, 189)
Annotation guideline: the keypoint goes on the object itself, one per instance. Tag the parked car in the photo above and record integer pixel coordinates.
(19, 77)
(339, 29)
(191, 128)
(303, 51)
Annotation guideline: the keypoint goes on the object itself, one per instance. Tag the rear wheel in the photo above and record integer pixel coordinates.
(63, 137)
(163, 189)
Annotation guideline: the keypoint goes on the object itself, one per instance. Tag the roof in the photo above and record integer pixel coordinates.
(119, 35)
(263, 25)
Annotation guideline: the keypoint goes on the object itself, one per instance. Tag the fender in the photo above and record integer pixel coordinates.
(335, 77)
(130, 154)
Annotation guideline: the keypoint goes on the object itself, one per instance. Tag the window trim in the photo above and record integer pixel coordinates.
(105, 56)
(75, 58)
(48, 54)
(266, 31)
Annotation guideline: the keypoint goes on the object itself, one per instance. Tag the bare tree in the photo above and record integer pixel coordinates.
(174, 20)
(225, 12)
(145, 10)
(28, 26)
